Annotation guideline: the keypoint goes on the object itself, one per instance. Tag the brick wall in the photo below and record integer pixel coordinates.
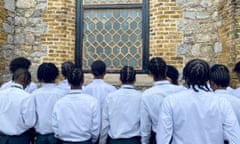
(164, 35)
(3, 35)
(60, 37)
(229, 34)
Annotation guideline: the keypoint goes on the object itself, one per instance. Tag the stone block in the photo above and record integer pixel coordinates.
(25, 4)
(9, 5)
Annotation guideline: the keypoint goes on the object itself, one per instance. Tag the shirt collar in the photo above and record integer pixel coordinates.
(127, 86)
(75, 91)
(16, 85)
(162, 82)
(221, 91)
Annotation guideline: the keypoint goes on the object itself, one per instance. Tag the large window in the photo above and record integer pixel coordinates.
(115, 31)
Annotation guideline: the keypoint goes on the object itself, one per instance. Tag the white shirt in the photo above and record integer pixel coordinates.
(30, 88)
(151, 102)
(76, 117)
(236, 92)
(234, 101)
(17, 113)
(64, 84)
(191, 117)
(121, 114)
(45, 99)
(99, 89)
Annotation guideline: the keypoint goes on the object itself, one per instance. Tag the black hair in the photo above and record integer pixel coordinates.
(76, 77)
(219, 74)
(196, 73)
(26, 76)
(66, 68)
(237, 67)
(98, 68)
(157, 67)
(173, 74)
(20, 62)
(127, 75)
(47, 72)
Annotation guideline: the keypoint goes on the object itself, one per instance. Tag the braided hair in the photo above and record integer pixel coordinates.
(219, 74)
(66, 68)
(47, 72)
(76, 77)
(158, 68)
(127, 75)
(196, 73)
(173, 74)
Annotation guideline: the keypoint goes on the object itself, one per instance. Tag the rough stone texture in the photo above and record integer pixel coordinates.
(180, 30)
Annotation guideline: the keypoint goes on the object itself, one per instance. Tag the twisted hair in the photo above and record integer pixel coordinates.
(157, 67)
(127, 75)
(47, 72)
(98, 68)
(66, 68)
(76, 77)
(219, 74)
(196, 73)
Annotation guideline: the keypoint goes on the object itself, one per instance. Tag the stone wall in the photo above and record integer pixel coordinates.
(3, 35)
(44, 31)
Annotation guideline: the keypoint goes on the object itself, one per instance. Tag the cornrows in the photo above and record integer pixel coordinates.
(196, 73)
(158, 67)
(127, 74)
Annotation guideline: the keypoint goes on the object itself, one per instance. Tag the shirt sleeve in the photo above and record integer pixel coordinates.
(96, 123)
(230, 125)
(105, 124)
(28, 112)
(145, 123)
(165, 123)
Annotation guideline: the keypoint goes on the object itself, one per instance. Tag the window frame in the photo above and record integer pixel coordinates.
(80, 29)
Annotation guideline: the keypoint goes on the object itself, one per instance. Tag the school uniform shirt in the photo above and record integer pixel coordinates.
(121, 114)
(236, 92)
(30, 88)
(17, 113)
(99, 89)
(76, 117)
(45, 99)
(191, 117)
(64, 84)
(151, 102)
(234, 101)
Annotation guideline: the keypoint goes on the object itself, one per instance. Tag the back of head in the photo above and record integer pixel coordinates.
(22, 76)
(20, 62)
(76, 77)
(158, 68)
(98, 68)
(127, 75)
(66, 68)
(173, 74)
(237, 67)
(47, 72)
(196, 73)
(219, 74)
